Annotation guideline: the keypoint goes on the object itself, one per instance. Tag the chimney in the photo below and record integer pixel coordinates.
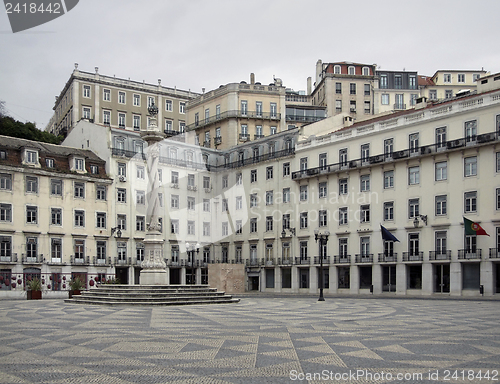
(421, 102)
(252, 78)
(319, 70)
(309, 86)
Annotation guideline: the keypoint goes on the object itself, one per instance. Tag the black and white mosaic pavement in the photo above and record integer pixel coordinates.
(259, 340)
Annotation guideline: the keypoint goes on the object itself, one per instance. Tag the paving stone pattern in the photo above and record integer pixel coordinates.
(259, 340)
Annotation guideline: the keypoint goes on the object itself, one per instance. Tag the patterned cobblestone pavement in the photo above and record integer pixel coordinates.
(259, 340)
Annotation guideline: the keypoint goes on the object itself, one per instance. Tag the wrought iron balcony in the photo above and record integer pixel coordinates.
(440, 255)
(413, 256)
(233, 114)
(494, 253)
(342, 259)
(32, 259)
(326, 260)
(387, 257)
(8, 259)
(468, 254)
(285, 261)
(252, 262)
(123, 153)
(302, 260)
(368, 258)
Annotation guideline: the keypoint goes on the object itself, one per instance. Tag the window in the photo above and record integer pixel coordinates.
(190, 181)
(269, 198)
(338, 88)
(343, 157)
(122, 169)
(413, 82)
(413, 99)
(139, 251)
(140, 172)
(239, 178)
(498, 199)
(286, 221)
(206, 205)
(323, 190)
(388, 148)
(174, 201)
(6, 212)
(191, 202)
(121, 120)
(388, 179)
(31, 184)
(352, 88)
(31, 247)
(343, 216)
(385, 99)
(258, 108)
(174, 226)
(106, 95)
(351, 70)
(269, 223)
(441, 137)
(79, 218)
(137, 123)
(6, 180)
(56, 187)
(367, 108)
(140, 197)
(31, 157)
(239, 202)
(364, 246)
(140, 223)
(470, 201)
(432, 94)
(364, 183)
(414, 175)
(206, 229)
(498, 162)
(253, 175)
(168, 125)
(101, 219)
(447, 78)
(413, 244)
(286, 166)
(441, 170)
(121, 222)
(169, 106)
(398, 82)
(470, 131)
(94, 169)
(343, 247)
(121, 248)
(86, 113)
(86, 91)
(413, 142)
(274, 109)
(389, 210)
(239, 226)
(383, 81)
(55, 249)
(336, 69)
(413, 208)
(137, 100)
(441, 205)
(470, 166)
(79, 165)
(448, 94)
(269, 172)
(286, 195)
(338, 106)
(121, 195)
(303, 163)
(182, 107)
(303, 193)
(225, 228)
(343, 189)
(79, 190)
(206, 182)
(225, 206)
(253, 200)
(303, 220)
(121, 97)
(323, 218)
(440, 243)
(244, 107)
(253, 225)
(365, 214)
(399, 102)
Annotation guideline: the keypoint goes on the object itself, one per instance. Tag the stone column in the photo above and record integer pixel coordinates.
(153, 267)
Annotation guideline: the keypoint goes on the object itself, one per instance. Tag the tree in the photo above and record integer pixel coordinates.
(2, 108)
(28, 131)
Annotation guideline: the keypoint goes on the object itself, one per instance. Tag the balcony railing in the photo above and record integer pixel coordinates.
(398, 155)
(32, 259)
(326, 260)
(302, 260)
(360, 258)
(285, 261)
(8, 259)
(123, 153)
(387, 258)
(439, 255)
(301, 118)
(244, 136)
(467, 254)
(342, 259)
(494, 253)
(252, 262)
(234, 114)
(413, 256)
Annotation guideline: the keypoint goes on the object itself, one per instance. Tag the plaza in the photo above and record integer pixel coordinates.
(262, 339)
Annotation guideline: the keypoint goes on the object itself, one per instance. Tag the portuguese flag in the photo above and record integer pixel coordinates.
(472, 228)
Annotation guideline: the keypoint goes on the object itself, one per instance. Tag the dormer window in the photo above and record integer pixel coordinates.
(49, 163)
(351, 70)
(336, 69)
(79, 164)
(31, 157)
(366, 71)
(94, 169)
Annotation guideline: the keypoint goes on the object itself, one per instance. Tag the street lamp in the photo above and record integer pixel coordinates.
(421, 217)
(197, 249)
(323, 239)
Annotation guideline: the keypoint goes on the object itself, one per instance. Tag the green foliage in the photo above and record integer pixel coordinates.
(28, 131)
(34, 284)
(76, 284)
(111, 280)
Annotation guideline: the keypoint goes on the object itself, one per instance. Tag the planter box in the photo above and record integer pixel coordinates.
(74, 293)
(34, 295)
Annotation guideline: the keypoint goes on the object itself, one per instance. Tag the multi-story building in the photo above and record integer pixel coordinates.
(445, 84)
(117, 103)
(237, 113)
(54, 215)
(395, 91)
(345, 88)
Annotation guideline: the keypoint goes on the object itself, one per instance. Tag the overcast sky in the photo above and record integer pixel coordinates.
(205, 43)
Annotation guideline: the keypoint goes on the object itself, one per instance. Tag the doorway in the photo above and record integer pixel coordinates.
(122, 275)
(389, 278)
(442, 278)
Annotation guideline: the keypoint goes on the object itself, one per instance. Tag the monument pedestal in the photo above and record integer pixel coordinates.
(153, 267)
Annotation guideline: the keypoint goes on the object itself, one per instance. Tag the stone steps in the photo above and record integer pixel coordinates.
(152, 295)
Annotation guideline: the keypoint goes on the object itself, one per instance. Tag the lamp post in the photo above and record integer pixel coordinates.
(323, 239)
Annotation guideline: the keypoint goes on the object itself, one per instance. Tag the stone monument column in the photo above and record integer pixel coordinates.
(153, 267)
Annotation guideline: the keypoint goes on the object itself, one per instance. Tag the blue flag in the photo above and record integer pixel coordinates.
(386, 235)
